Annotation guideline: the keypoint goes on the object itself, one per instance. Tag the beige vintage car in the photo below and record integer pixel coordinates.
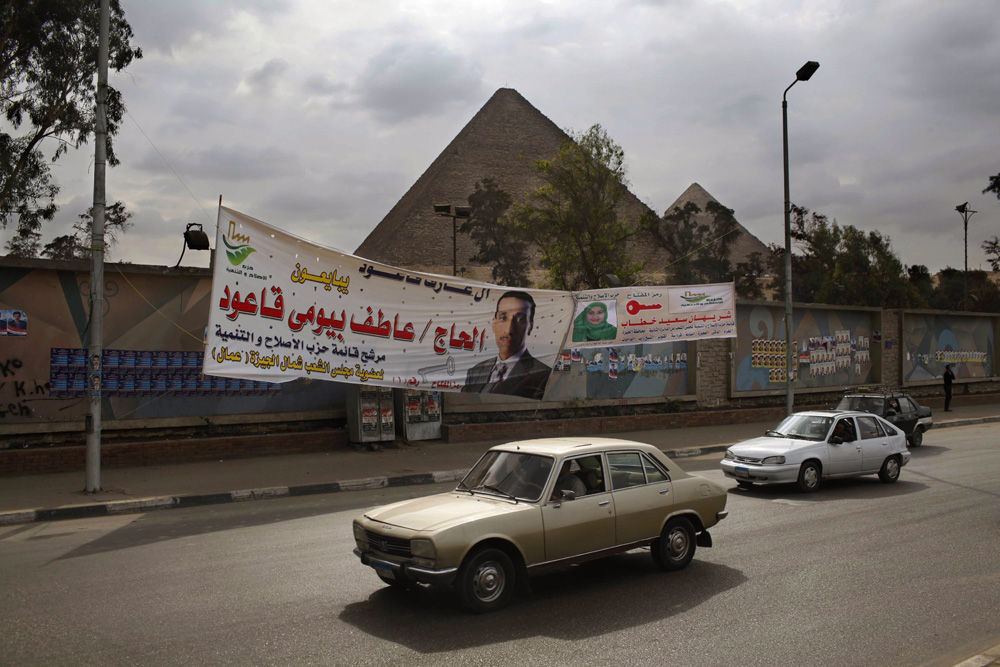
(534, 505)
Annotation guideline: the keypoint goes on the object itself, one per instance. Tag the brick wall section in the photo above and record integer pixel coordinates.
(603, 425)
(35, 461)
(713, 376)
(892, 364)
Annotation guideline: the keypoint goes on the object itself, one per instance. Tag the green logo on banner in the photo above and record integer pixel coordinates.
(237, 254)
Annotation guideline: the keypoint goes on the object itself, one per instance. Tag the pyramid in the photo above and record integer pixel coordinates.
(502, 141)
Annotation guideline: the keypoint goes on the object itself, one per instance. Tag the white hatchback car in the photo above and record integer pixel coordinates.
(807, 447)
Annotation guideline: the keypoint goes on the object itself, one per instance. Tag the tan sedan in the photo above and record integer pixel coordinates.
(534, 505)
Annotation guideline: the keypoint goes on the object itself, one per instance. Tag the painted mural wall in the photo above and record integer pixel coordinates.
(640, 371)
(154, 328)
(933, 340)
(830, 348)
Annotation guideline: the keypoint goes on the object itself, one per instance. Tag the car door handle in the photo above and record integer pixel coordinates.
(603, 503)
(664, 492)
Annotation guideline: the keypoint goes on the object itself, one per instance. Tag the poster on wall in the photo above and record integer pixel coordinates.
(933, 341)
(650, 315)
(284, 308)
(830, 348)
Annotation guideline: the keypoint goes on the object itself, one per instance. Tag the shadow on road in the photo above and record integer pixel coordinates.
(590, 600)
(927, 451)
(850, 488)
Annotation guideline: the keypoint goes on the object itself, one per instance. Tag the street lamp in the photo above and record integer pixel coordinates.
(460, 212)
(966, 213)
(804, 74)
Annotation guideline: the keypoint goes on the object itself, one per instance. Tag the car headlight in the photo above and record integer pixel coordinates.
(422, 549)
(729, 455)
(773, 460)
(359, 533)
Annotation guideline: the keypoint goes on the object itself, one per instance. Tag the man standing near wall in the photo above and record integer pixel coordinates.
(949, 377)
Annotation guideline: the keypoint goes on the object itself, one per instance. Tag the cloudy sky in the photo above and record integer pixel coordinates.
(317, 115)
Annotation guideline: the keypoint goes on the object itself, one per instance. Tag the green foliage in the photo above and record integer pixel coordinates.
(573, 218)
(992, 249)
(983, 294)
(681, 235)
(77, 244)
(48, 66)
(993, 187)
(843, 265)
(501, 243)
(920, 278)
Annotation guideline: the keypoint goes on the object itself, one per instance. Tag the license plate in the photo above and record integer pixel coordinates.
(384, 570)
(742, 472)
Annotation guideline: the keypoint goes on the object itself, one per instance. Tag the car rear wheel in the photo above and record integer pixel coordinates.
(486, 580)
(917, 437)
(675, 547)
(809, 477)
(890, 470)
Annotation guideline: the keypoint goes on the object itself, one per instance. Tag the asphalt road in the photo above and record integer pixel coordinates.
(861, 573)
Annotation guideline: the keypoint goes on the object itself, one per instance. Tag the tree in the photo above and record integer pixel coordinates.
(573, 218)
(501, 243)
(681, 235)
(748, 276)
(713, 262)
(992, 249)
(994, 186)
(920, 278)
(48, 65)
(843, 265)
(77, 244)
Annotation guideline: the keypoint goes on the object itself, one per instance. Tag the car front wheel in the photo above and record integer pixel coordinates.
(917, 437)
(675, 547)
(486, 580)
(890, 470)
(809, 477)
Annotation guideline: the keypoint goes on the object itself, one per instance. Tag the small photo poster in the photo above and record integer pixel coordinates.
(15, 322)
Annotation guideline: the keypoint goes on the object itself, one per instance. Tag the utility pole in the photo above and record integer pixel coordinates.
(95, 347)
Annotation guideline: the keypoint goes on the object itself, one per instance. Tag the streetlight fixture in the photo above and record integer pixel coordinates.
(460, 212)
(966, 213)
(804, 74)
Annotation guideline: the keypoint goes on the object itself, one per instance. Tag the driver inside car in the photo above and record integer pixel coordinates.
(568, 481)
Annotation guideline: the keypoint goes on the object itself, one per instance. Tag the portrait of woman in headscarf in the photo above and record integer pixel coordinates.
(592, 324)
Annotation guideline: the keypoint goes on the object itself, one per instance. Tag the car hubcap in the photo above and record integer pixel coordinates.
(892, 468)
(488, 582)
(811, 477)
(677, 544)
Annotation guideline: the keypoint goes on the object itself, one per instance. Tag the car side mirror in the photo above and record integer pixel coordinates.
(836, 440)
(890, 413)
(567, 494)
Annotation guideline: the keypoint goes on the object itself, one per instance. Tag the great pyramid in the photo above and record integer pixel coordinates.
(502, 141)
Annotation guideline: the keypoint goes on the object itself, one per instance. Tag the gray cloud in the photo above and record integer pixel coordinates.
(406, 81)
(261, 81)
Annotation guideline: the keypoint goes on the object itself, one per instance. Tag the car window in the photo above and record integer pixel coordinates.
(868, 428)
(806, 427)
(881, 431)
(509, 473)
(906, 405)
(626, 470)
(653, 472)
(845, 429)
(590, 470)
(889, 428)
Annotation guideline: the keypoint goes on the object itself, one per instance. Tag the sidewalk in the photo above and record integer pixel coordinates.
(127, 490)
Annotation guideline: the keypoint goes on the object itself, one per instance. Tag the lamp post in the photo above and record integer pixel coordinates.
(966, 213)
(460, 212)
(804, 74)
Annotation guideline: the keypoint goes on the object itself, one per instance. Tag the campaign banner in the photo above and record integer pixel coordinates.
(647, 315)
(284, 308)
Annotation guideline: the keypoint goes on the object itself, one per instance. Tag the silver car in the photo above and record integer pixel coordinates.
(808, 447)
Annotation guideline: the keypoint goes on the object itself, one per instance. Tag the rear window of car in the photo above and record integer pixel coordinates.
(872, 404)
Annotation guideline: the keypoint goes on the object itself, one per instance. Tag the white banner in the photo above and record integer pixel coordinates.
(284, 308)
(647, 315)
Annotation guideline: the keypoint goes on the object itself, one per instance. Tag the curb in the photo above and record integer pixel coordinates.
(990, 657)
(140, 505)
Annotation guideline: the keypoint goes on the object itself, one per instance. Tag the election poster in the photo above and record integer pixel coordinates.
(284, 308)
(648, 315)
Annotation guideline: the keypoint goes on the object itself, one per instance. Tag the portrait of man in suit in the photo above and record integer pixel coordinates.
(513, 371)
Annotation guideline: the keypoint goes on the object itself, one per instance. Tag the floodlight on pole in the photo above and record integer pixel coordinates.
(459, 212)
(966, 213)
(804, 74)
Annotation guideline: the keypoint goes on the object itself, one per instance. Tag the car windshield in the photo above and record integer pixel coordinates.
(509, 474)
(872, 404)
(805, 427)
